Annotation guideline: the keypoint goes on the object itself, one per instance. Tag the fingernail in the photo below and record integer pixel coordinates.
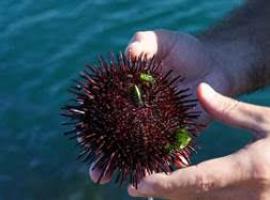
(134, 49)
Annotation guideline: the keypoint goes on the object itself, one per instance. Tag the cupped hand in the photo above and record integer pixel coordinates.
(242, 175)
(187, 56)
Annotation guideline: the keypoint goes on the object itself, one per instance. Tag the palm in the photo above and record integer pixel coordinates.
(183, 53)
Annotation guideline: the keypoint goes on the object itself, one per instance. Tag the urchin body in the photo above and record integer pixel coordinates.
(129, 117)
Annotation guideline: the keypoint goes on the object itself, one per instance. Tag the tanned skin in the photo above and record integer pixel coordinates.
(234, 58)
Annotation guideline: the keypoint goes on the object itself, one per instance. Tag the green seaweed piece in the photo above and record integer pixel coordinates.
(183, 139)
(147, 77)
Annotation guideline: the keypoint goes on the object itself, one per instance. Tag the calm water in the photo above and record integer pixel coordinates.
(44, 44)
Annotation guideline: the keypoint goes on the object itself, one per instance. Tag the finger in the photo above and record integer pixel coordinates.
(95, 174)
(233, 112)
(150, 43)
(145, 43)
(195, 180)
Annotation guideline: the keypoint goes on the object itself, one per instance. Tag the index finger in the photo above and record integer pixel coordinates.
(204, 177)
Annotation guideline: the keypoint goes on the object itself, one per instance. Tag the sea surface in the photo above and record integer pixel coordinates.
(43, 46)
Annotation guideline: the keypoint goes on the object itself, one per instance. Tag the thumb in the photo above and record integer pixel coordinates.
(233, 112)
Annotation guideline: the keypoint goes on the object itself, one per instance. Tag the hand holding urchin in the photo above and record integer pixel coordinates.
(129, 117)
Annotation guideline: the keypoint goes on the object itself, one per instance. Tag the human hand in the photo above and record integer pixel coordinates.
(242, 175)
(187, 56)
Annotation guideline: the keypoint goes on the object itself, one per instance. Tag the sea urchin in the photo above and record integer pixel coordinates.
(130, 117)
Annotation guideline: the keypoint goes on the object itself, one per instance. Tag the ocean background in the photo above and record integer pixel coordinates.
(43, 46)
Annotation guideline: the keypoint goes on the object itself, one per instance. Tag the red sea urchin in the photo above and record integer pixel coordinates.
(129, 117)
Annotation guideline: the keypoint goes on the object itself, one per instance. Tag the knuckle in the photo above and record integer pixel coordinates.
(263, 119)
(133, 48)
(259, 119)
(160, 188)
(261, 176)
(228, 107)
(203, 183)
(260, 171)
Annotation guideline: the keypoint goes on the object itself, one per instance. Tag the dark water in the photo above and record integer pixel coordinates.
(44, 44)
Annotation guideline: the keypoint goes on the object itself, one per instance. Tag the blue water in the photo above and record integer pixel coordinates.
(44, 44)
